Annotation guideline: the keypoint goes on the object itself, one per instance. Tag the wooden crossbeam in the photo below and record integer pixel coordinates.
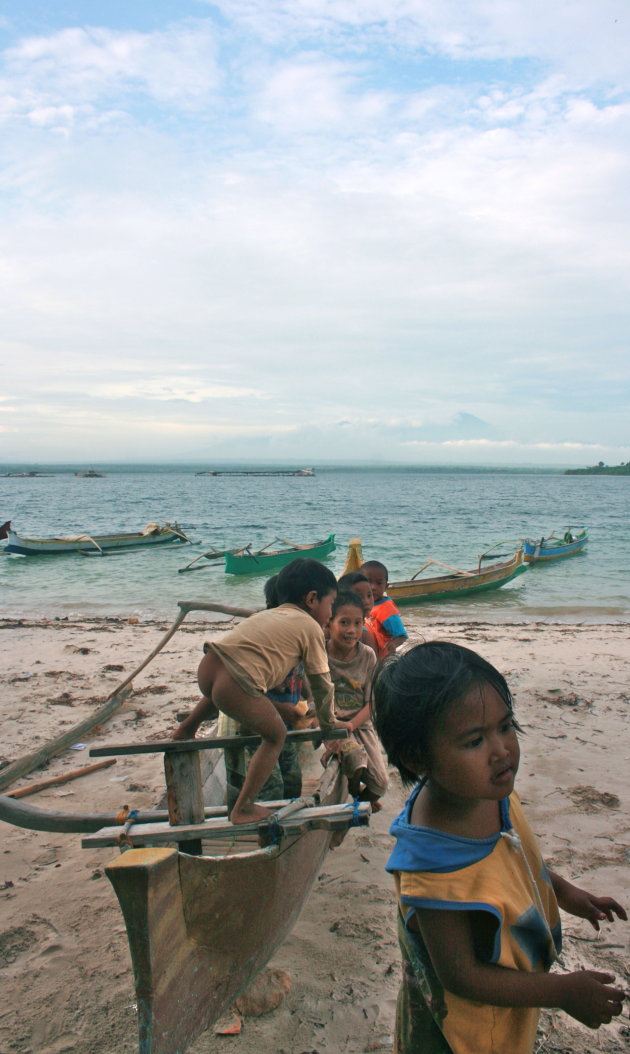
(311, 818)
(178, 746)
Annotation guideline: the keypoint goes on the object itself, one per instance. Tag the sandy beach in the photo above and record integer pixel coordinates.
(66, 973)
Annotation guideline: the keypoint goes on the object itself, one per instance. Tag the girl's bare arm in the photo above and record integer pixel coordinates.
(358, 719)
(583, 904)
(584, 995)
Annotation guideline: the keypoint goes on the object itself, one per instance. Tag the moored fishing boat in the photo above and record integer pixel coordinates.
(248, 561)
(154, 534)
(205, 903)
(555, 547)
(457, 583)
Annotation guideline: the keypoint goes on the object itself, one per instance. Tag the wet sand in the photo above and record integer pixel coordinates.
(65, 968)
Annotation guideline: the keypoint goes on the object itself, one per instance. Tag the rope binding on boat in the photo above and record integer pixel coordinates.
(127, 817)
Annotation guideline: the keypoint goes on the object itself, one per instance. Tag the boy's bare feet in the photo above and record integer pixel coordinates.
(249, 813)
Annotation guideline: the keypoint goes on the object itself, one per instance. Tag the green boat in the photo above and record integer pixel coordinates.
(248, 561)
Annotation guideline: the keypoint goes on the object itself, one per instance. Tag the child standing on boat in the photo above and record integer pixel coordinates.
(285, 779)
(256, 656)
(479, 925)
(352, 666)
(384, 619)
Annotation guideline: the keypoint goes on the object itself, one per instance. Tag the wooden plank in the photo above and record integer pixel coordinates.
(324, 817)
(175, 746)
(66, 777)
(184, 792)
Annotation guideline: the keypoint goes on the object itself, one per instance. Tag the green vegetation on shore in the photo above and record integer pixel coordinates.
(601, 470)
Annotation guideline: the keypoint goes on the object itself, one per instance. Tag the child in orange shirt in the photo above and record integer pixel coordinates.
(384, 619)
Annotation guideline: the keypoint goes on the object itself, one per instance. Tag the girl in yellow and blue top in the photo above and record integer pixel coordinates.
(479, 925)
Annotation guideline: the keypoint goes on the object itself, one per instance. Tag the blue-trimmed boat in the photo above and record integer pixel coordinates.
(154, 534)
(555, 547)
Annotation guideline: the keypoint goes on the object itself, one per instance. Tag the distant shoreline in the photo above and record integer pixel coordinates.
(36, 470)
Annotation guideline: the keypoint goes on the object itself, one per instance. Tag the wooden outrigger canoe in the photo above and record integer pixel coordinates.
(154, 534)
(200, 927)
(205, 903)
(456, 584)
(248, 561)
(555, 547)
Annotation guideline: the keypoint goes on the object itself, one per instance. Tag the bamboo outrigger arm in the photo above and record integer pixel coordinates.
(438, 563)
(113, 702)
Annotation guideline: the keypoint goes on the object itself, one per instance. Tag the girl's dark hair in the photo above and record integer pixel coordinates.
(413, 690)
(300, 577)
(351, 579)
(271, 592)
(347, 598)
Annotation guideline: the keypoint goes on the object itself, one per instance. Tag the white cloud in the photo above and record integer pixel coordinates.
(349, 226)
(64, 74)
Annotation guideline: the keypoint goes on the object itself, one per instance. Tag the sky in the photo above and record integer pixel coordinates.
(380, 230)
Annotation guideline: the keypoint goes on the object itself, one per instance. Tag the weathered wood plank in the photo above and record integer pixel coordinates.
(324, 817)
(178, 746)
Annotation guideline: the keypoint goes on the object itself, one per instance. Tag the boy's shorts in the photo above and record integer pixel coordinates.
(236, 672)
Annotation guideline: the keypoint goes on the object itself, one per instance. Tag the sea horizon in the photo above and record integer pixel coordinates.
(260, 464)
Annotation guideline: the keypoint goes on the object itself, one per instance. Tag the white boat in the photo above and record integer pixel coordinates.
(154, 534)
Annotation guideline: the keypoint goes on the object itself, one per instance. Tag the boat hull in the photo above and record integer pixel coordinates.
(201, 927)
(263, 563)
(167, 535)
(552, 548)
(454, 586)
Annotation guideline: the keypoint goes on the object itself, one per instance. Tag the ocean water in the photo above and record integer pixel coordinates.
(404, 516)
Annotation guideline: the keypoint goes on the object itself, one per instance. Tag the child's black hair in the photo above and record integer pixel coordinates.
(300, 577)
(271, 592)
(351, 579)
(346, 598)
(376, 565)
(413, 690)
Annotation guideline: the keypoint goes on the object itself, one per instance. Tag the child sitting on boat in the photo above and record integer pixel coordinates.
(359, 583)
(478, 920)
(384, 619)
(257, 655)
(352, 666)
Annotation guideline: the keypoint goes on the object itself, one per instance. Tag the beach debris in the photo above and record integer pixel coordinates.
(560, 698)
(266, 992)
(591, 800)
(33, 788)
(65, 699)
(229, 1025)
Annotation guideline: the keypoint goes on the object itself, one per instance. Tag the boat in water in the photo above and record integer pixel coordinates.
(248, 561)
(555, 547)
(154, 534)
(457, 583)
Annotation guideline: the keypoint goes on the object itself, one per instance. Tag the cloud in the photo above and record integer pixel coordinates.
(568, 33)
(58, 79)
(403, 223)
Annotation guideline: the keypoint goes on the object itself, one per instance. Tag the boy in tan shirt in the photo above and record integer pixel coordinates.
(257, 655)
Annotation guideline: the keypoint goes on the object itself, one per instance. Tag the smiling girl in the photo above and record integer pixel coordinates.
(352, 666)
(479, 925)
